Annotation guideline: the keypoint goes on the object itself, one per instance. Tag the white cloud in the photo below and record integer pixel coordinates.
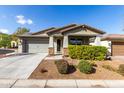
(4, 31)
(20, 17)
(21, 20)
(29, 21)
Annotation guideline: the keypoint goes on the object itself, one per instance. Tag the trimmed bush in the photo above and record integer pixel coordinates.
(121, 69)
(62, 66)
(72, 52)
(93, 63)
(85, 67)
(87, 52)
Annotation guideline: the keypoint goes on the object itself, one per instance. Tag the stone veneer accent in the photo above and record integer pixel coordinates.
(51, 51)
(65, 51)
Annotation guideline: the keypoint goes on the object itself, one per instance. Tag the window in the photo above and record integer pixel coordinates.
(91, 40)
(75, 41)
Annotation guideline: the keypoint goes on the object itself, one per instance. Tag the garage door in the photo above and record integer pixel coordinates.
(38, 45)
(118, 48)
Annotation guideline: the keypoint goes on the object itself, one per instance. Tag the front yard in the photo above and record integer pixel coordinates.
(82, 63)
(48, 70)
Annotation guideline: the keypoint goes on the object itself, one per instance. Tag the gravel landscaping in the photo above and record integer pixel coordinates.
(48, 70)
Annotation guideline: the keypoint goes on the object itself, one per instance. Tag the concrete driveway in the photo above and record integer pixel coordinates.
(20, 66)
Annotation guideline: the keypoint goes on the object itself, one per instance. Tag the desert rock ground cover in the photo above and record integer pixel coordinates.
(51, 72)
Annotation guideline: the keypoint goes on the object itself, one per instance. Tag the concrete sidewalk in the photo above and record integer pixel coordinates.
(5, 83)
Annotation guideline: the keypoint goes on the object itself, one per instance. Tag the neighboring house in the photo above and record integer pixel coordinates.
(106, 44)
(14, 44)
(56, 40)
(98, 42)
(117, 44)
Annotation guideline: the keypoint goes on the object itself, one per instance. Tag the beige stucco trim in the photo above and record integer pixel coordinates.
(51, 42)
(65, 41)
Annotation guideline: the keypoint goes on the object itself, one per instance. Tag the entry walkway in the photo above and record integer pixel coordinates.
(55, 57)
(5, 83)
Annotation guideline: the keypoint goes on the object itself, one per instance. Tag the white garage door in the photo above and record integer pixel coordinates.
(38, 45)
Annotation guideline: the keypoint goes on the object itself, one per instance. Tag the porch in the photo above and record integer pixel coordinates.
(59, 44)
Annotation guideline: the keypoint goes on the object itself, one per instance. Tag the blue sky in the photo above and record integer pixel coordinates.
(107, 18)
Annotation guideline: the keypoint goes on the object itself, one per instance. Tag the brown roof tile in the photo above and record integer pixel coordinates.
(45, 30)
(113, 37)
(61, 28)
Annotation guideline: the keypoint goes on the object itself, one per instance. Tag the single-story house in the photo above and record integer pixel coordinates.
(56, 40)
(117, 44)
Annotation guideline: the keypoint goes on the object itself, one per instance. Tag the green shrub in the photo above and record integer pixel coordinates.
(62, 66)
(85, 67)
(87, 52)
(108, 67)
(72, 51)
(93, 64)
(121, 69)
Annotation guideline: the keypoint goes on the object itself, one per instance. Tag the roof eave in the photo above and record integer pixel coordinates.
(31, 36)
(113, 39)
(45, 30)
(95, 29)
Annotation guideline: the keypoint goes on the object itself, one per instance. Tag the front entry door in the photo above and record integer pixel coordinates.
(58, 45)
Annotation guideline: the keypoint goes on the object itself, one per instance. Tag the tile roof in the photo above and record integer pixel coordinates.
(62, 28)
(66, 28)
(113, 37)
(45, 30)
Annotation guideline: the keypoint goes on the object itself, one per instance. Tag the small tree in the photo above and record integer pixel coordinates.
(19, 31)
(6, 41)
